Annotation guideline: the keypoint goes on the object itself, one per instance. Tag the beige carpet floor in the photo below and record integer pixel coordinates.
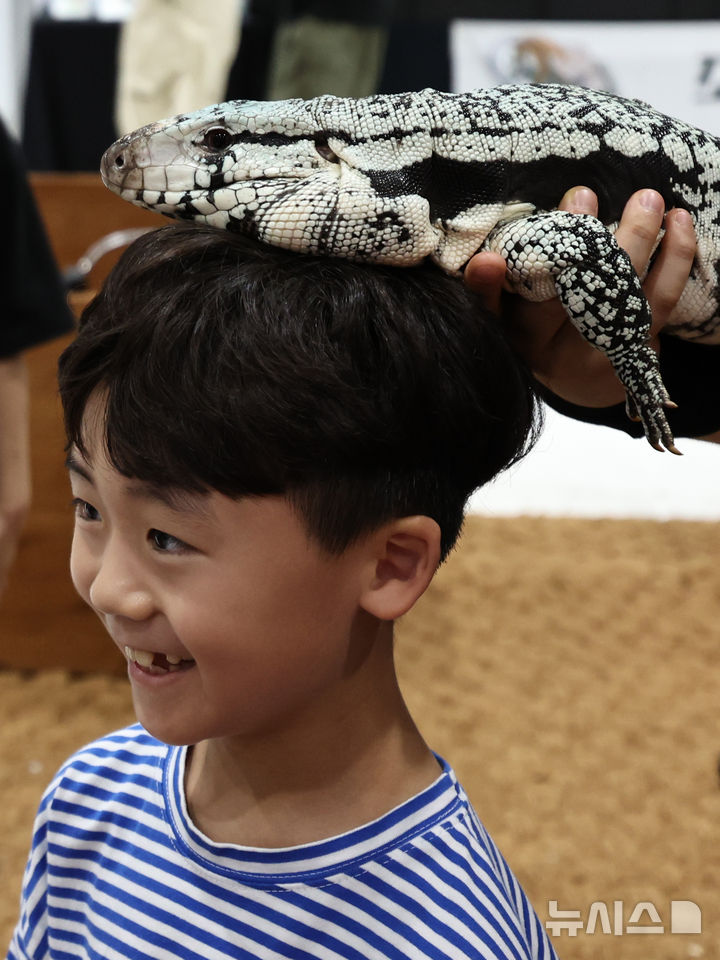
(569, 670)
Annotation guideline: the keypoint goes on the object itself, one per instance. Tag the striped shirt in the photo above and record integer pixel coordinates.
(118, 871)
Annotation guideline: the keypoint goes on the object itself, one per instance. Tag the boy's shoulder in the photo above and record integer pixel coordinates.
(129, 755)
(126, 744)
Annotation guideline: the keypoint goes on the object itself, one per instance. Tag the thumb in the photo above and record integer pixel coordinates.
(485, 275)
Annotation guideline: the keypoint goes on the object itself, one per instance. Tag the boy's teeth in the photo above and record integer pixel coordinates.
(146, 658)
(143, 657)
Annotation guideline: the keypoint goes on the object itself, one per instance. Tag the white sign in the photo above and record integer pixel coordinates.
(674, 66)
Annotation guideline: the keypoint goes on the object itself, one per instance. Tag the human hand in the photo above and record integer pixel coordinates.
(554, 350)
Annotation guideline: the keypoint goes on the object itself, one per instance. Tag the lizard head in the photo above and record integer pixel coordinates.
(296, 173)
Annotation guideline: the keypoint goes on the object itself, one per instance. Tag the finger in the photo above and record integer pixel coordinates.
(670, 271)
(579, 200)
(485, 274)
(639, 226)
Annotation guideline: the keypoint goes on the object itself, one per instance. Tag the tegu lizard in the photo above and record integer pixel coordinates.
(397, 178)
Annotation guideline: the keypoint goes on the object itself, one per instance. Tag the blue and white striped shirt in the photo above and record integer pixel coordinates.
(118, 871)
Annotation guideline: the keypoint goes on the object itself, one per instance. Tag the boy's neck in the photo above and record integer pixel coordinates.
(339, 766)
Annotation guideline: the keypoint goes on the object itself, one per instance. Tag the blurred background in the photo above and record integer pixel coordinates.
(566, 659)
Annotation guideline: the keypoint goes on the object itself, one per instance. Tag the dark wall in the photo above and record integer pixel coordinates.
(384, 11)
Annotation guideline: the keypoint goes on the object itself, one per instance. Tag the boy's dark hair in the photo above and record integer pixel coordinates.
(360, 392)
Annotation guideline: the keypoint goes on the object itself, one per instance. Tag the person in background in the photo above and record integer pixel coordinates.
(36, 310)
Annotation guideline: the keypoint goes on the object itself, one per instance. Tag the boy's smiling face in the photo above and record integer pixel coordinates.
(262, 621)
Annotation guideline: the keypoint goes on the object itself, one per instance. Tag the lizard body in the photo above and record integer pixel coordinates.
(401, 177)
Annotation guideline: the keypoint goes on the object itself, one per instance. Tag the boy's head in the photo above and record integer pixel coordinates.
(360, 393)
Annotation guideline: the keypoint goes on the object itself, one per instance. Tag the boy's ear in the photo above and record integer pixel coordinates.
(406, 554)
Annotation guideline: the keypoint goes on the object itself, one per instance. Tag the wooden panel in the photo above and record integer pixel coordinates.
(78, 210)
(44, 623)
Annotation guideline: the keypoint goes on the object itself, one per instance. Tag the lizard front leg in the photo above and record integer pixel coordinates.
(576, 258)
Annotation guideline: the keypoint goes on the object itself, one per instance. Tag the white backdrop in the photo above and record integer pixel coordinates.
(581, 470)
(578, 469)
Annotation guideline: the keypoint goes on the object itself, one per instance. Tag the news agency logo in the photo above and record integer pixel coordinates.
(684, 917)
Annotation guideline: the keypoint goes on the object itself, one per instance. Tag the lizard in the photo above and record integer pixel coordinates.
(398, 178)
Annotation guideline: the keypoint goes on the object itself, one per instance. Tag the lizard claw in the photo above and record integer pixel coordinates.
(647, 397)
(657, 429)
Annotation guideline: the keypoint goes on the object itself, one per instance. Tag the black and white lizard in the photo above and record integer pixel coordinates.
(397, 178)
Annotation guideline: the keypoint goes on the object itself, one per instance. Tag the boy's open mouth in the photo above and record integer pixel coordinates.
(157, 662)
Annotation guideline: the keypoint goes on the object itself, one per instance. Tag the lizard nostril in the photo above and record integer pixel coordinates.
(119, 160)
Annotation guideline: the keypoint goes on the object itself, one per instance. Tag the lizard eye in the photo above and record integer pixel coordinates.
(217, 138)
(326, 152)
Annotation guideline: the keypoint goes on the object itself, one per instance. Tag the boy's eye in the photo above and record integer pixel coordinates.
(166, 542)
(84, 510)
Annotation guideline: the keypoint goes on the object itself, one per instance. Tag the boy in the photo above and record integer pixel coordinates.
(270, 455)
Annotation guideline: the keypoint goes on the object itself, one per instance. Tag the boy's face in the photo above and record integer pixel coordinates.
(232, 620)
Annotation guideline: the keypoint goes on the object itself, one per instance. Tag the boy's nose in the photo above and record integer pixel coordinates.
(120, 602)
(118, 590)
